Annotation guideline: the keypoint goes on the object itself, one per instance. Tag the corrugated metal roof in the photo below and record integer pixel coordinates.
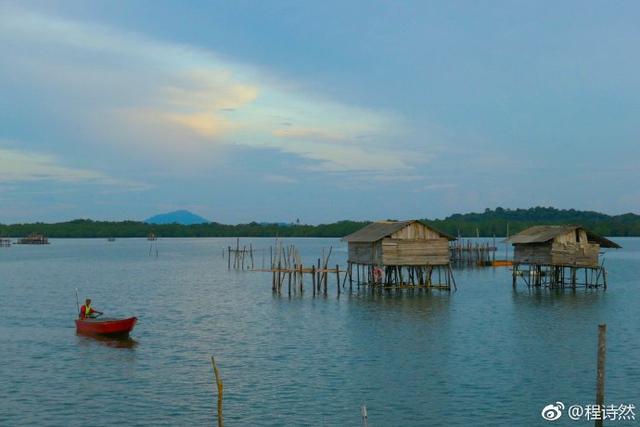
(545, 233)
(381, 229)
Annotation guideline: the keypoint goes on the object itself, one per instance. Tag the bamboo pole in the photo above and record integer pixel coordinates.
(602, 350)
(220, 391)
(301, 280)
(313, 279)
(279, 270)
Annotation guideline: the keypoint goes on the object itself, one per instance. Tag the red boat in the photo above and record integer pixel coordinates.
(106, 327)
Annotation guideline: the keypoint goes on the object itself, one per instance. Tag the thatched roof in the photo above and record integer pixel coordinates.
(381, 229)
(545, 233)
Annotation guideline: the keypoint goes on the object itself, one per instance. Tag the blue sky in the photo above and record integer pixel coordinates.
(272, 111)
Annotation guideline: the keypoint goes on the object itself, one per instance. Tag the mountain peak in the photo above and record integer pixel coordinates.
(182, 216)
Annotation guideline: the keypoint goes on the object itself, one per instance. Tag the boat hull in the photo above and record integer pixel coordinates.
(106, 327)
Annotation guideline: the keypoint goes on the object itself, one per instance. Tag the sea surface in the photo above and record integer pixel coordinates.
(484, 355)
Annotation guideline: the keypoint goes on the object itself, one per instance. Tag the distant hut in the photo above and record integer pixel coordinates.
(400, 254)
(555, 255)
(34, 239)
(5, 243)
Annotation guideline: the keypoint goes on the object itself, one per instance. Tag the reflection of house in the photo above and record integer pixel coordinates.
(554, 253)
(407, 252)
(34, 239)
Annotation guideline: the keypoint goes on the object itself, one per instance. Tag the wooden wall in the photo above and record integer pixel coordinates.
(573, 236)
(568, 254)
(365, 253)
(532, 254)
(415, 231)
(578, 254)
(415, 252)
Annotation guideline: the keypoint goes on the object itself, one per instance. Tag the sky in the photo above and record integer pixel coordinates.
(320, 111)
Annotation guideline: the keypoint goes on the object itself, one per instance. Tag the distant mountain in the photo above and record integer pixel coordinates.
(182, 217)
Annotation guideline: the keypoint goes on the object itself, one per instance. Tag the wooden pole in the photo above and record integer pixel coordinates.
(220, 391)
(279, 272)
(301, 280)
(602, 350)
(455, 287)
(319, 278)
(350, 276)
(338, 278)
(365, 417)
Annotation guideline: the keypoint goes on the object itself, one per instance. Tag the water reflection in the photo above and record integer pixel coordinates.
(564, 296)
(114, 342)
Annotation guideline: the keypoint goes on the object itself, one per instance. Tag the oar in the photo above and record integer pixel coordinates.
(77, 302)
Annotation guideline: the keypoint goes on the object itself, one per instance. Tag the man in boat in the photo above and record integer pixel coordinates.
(86, 311)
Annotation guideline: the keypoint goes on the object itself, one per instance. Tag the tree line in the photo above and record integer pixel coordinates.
(485, 224)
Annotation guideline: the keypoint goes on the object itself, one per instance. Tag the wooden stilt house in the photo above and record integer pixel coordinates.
(400, 254)
(559, 255)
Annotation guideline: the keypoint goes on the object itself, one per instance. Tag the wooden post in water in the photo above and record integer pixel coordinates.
(602, 350)
(313, 279)
(279, 272)
(220, 391)
(301, 280)
(338, 278)
(365, 416)
(319, 278)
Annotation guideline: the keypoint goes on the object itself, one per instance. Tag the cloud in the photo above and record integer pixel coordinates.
(307, 134)
(24, 166)
(203, 123)
(135, 89)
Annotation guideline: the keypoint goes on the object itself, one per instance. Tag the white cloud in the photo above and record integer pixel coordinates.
(135, 88)
(24, 166)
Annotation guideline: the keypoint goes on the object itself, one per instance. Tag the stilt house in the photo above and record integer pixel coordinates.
(549, 250)
(562, 245)
(408, 251)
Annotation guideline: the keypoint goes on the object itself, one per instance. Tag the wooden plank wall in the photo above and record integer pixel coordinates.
(569, 254)
(573, 236)
(365, 253)
(532, 254)
(415, 252)
(415, 231)
(577, 254)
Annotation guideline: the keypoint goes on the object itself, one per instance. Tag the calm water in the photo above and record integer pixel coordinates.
(484, 355)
